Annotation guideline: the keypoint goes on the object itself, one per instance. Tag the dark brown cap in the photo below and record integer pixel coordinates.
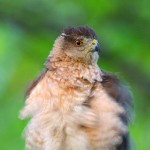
(80, 31)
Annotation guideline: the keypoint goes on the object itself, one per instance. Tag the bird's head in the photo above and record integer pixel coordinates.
(79, 43)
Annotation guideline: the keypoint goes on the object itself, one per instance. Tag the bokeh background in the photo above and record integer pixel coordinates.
(28, 29)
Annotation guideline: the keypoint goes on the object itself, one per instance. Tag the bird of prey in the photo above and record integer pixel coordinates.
(73, 104)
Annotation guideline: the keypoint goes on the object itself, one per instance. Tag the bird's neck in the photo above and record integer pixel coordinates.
(71, 68)
(66, 60)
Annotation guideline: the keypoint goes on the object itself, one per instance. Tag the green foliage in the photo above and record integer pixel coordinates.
(28, 29)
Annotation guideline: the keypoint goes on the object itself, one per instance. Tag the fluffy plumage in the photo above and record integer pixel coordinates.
(74, 105)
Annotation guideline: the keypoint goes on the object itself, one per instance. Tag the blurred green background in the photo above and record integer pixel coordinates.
(28, 29)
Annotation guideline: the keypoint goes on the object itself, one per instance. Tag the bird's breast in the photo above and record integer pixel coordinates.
(72, 84)
(69, 92)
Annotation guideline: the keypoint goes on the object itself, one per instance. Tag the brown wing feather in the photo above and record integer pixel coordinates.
(48, 67)
(121, 95)
(118, 91)
(35, 82)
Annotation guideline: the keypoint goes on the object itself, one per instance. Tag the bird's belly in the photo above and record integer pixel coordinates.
(55, 126)
(52, 131)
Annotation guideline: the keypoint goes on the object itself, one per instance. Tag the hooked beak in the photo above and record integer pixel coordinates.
(96, 46)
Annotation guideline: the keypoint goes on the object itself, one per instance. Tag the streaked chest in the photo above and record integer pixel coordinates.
(70, 87)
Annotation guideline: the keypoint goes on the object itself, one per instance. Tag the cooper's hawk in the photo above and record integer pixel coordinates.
(73, 104)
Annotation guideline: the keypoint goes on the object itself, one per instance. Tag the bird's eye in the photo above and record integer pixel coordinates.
(78, 43)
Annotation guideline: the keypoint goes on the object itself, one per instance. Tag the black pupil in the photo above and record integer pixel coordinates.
(78, 42)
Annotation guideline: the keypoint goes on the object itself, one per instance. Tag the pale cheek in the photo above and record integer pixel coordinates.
(75, 52)
(69, 53)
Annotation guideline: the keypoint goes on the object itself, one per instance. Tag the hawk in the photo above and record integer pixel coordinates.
(73, 104)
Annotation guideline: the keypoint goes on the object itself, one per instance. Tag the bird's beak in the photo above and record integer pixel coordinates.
(95, 46)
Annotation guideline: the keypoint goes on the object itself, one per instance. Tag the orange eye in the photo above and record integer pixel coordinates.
(78, 43)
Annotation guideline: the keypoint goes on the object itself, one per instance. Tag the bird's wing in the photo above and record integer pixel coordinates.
(35, 94)
(120, 93)
(35, 82)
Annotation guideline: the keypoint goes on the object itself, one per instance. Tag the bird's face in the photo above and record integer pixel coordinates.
(81, 48)
(80, 43)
